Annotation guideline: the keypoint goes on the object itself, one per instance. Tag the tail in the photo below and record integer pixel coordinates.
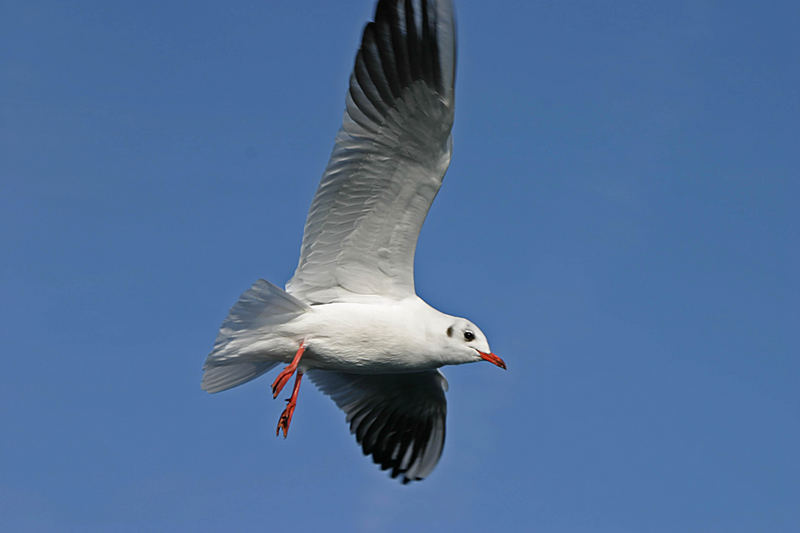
(233, 360)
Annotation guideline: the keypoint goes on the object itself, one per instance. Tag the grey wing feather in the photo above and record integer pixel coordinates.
(399, 419)
(388, 160)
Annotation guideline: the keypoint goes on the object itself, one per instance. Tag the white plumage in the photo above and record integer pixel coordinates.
(350, 316)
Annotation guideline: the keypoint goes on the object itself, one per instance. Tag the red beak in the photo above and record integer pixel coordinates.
(492, 358)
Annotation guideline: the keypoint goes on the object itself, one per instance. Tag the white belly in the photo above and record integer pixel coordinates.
(369, 338)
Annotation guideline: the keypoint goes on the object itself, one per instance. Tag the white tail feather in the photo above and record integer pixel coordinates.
(220, 378)
(262, 307)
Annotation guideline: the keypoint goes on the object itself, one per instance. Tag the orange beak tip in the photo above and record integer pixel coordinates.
(492, 358)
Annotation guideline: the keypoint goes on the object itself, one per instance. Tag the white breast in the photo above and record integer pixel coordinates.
(373, 337)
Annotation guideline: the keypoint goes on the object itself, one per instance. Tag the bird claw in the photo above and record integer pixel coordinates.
(285, 420)
(291, 402)
(282, 379)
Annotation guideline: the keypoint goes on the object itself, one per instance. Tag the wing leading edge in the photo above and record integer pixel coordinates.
(388, 161)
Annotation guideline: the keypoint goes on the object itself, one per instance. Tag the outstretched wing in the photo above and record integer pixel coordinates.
(399, 419)
(388, 161)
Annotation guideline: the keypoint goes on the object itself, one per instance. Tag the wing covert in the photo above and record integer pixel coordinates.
(399, 419)
(388, 160)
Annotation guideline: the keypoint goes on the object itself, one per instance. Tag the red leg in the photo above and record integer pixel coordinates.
(291, 403)
(286, 373)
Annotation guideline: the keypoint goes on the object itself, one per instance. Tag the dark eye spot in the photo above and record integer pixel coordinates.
(450, 331)
(469, 336)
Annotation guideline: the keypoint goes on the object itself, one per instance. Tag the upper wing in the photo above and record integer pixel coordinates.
(389, 158)
(399, 419)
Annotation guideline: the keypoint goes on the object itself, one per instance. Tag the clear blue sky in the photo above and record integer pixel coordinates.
(620, 218)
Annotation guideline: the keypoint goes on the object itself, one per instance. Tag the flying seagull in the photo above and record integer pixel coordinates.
(350, 317)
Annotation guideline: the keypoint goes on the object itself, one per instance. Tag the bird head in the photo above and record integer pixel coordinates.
(467, 344)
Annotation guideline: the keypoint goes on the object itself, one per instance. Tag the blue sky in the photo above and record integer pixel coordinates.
(620, 218)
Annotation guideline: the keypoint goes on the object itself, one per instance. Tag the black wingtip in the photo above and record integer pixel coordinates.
(401, 46)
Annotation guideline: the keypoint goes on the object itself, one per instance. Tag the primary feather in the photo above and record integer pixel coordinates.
(389, 159)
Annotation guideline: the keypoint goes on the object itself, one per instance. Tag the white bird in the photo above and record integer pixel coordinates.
(350, 317)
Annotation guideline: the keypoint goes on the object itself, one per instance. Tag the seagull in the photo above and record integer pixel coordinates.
(350, 317)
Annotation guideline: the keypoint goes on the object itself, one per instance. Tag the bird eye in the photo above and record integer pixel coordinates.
(450, 331)
(469, 336)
